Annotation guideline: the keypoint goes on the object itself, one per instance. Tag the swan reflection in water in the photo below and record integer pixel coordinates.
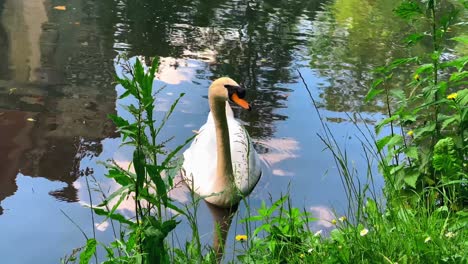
(222, 218)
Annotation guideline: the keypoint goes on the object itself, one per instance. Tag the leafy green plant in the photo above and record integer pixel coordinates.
(147, 181)
(281, 236)
(430, 111)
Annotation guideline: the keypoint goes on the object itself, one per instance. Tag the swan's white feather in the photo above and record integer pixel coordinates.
(201, 158)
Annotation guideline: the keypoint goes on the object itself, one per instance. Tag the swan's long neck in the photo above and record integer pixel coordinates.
(223, 148)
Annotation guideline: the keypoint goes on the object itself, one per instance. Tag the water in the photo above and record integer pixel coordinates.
(56, 90)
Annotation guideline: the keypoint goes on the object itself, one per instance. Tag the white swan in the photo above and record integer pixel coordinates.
(221, 164)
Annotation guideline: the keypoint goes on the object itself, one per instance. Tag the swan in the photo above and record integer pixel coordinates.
(221, 165)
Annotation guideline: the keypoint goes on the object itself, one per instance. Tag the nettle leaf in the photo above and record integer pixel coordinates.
(398, 94)
(458, 63)
(442, 87)
(446, 157)
(115, 216)
(411, 178)
(428, 129)
(462, 39)
(396, 63)
(378, 126)
(395, 140)
(458, 76)
(450, 120)
(389, 141)
(436, 55)
(425, 68)
(89, 250)
(374, 91)
(463, 97)
(118, 121)
(139, 165)
(120, 192)
(414, 38)
(381, 143)
(408, 10)
(411, 152)
(155, 174)
(119, 176)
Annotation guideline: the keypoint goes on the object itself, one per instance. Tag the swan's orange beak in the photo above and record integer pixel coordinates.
(241, 102)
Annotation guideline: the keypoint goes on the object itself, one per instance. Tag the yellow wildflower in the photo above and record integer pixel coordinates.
(410, 133)
(342, 219)
(416, 77)
(333, 222)
(301, 255)
(241, 238)
(450, 234)
(364, 232)
(427, 239)
(452, 96)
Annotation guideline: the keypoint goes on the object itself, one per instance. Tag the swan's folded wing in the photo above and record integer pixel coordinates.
(200, 161)
(245, 161)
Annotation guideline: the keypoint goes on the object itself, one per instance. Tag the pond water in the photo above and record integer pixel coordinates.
(56, 90)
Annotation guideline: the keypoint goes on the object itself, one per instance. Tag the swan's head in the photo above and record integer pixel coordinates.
(224, 89)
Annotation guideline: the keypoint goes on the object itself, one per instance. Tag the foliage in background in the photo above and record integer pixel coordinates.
(424, 217)
(428, 117)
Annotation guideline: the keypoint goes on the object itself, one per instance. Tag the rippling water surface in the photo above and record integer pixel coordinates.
(56, 90)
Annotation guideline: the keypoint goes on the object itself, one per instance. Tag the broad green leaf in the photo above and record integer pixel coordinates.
(89, 251)
(111, 197)
(463, 98)
(425, 68)
(414, 38)
(125, 94)
(115, 216)
(396, 63)
(458, 76)
(381, 124)
(139, 165)
(371, 207)
(168, 226)
(408, 10)
(118, 121)
(395, 140)
(411, 178)
(373, 92)
(381, 143)
(395, 169)
(435, 56)
(155, 175)
(428, 129)
(398, 94)
(446, 158)
(411, 152)
(462, 39)
(442, 87)
(458, 63)
(449, 121)
(119, 176)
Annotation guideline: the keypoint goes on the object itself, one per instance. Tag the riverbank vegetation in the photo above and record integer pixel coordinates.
(421, 218)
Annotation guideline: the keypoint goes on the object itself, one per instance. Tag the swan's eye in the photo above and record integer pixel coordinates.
(235, 89)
